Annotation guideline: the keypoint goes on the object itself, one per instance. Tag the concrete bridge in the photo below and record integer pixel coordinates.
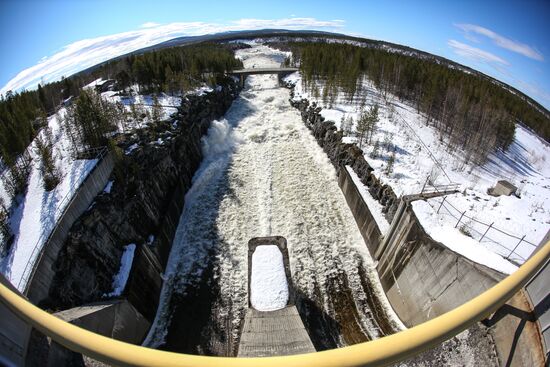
(281, 73)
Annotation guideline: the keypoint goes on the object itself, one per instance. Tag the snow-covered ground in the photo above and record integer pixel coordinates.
(419, 153)
(264, 174)
(144, 103)
(268, 284)
(35, 216)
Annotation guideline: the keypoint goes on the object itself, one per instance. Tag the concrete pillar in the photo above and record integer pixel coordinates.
(391, 231)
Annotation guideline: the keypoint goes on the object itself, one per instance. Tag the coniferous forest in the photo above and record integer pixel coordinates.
(473, 113)
(167, 70)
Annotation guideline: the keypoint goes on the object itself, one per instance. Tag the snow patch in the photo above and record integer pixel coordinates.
(268, 284)
(131, 148)
(108, 187)
(464, 245)
(120, 278)
(93, 84)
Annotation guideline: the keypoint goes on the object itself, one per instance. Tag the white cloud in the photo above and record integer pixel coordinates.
(288, 23)
(82, 54)
(501, 41)
(537, 91)
(475, 53)
(149, 25)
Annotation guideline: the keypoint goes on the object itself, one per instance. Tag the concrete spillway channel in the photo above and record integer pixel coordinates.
(263, 173)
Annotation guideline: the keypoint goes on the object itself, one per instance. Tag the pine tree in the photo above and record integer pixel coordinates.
(349, 126)
(15, 180)
(343, 124)
(387, 142)
(5, 229)
(391, 162)
(373, 119)
(134, 111)
(375, 150)
(391, 111)
(42, 98)
(44, 148)
(362, 127)
(121, 115)
(91, 120)
(156, 111)
(325, 93)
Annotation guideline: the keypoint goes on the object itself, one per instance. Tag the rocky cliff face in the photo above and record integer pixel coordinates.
(143, 207)
(343, 154)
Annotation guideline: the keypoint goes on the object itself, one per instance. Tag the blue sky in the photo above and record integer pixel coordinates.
(42, 40)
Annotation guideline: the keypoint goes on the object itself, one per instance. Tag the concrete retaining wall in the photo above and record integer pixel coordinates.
(145, 283)
(41, 279)
(424, 279)
(116, 319)
(363, 217)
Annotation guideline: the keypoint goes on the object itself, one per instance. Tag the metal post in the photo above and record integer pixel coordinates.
(514, 250)
(486, 231)
(425, 182)
(459, 219)
(442, 201)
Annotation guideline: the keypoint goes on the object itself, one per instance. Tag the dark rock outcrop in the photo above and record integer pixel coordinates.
(342, 154)
(143, 207)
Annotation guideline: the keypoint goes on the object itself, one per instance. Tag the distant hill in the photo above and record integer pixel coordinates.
(290, 35)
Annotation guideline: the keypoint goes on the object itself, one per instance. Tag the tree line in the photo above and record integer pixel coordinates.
(471, 112)
(167, 70)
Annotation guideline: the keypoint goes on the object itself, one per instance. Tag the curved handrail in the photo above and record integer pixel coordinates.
(380, 352)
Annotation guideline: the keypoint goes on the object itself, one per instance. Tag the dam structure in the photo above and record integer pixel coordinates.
(277, 253)
(281, 72)
(264, 174)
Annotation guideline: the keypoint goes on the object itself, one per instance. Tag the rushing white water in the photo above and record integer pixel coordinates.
(264, 174)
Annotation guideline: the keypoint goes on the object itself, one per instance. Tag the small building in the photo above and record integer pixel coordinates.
(105, 85)
(67, 102)
(502, 187)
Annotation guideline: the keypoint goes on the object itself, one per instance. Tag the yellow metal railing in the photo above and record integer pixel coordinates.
(380, 352)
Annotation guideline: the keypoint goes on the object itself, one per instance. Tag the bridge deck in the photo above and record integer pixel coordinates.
(251, 71)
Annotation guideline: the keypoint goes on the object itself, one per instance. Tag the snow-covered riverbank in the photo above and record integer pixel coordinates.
(420, 153)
